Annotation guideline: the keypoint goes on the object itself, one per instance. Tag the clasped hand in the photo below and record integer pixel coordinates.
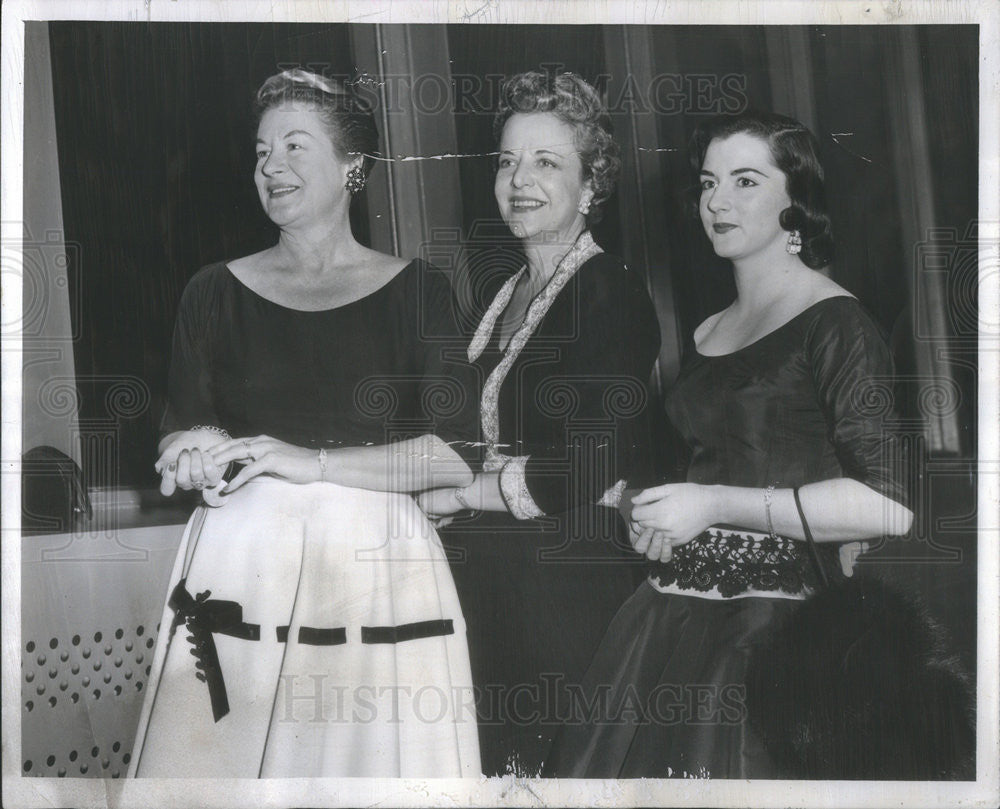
(439, 505)
(186, 462)
(666, 516)
(197, 459)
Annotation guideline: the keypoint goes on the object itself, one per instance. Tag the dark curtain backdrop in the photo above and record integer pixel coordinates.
(156, 153)
(155, 150)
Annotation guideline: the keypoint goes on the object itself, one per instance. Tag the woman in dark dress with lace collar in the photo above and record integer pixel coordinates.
(770, 398)
(565, 351)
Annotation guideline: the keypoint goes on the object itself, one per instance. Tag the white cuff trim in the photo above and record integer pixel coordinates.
(613, 496)
(515, 490)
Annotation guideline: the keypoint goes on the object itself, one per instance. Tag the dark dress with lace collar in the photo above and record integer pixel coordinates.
(803, 404)
(567, 419)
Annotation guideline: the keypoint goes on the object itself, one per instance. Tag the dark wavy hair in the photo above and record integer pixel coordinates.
(347, 117)
(574, 102)
(794, 150)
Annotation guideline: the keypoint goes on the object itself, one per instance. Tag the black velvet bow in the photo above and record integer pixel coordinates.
(203, 617)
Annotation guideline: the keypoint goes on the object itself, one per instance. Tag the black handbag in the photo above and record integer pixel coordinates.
(858, 684)
(54, 495)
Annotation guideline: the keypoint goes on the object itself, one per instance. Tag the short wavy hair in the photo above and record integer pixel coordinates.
(794, 150)
(576, 103)
(347, 117)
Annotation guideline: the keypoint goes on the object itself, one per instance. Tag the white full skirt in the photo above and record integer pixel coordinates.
(390, 696)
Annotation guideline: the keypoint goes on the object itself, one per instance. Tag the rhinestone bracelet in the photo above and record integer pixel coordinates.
(459, 495)
(768, 494)
(211, 429)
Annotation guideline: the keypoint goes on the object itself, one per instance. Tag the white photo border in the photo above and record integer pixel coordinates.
(19, 791)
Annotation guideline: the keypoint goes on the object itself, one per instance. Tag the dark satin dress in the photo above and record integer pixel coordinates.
(664, 694)
(537, 593)
(368, 372)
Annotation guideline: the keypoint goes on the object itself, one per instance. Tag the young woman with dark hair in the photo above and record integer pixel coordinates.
(772, 400)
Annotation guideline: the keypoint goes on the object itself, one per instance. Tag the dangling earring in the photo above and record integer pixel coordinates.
(355, 180)
(794, 244)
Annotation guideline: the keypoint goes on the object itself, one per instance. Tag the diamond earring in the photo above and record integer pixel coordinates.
(355, 180)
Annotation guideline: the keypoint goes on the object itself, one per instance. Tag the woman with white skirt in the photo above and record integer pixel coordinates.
(312, 628)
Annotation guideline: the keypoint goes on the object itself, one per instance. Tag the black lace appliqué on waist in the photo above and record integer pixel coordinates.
(734, 562)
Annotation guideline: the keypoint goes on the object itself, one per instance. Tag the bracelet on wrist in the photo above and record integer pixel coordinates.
(768, 494)
(322, 463)
(459, 495)
(211, 429)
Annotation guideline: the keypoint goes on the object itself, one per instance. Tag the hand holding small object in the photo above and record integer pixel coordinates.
(653, 544)
(185, 462)
(680, 511)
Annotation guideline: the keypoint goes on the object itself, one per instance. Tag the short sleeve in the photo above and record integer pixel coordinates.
(593, 411)
(449, 390)
(854, 378)
(189, 384)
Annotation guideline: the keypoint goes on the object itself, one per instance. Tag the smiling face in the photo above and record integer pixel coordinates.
(539, 184)
(300, 177)
(742, 195)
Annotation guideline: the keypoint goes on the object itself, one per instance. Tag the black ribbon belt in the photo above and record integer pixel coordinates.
(203, 617)
(335, 636)
(405, 632)
(314, 636)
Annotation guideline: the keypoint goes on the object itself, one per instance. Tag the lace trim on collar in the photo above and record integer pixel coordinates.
(584, 249)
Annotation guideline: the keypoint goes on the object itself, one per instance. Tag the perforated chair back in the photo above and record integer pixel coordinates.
(90, 606)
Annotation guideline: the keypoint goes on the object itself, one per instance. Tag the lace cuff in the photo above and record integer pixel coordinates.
(515, 492)
(612, 498)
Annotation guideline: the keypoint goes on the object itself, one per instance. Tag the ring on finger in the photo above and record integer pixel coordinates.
(246, 446)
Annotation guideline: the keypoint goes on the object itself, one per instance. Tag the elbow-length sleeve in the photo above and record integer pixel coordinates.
(189, 384)
(854, 378)
(587, 428)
